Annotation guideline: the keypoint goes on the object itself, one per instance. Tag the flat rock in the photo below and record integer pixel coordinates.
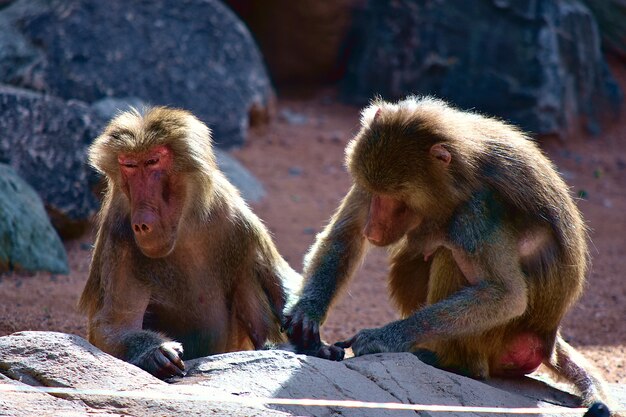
(236, 383)
(52, 359)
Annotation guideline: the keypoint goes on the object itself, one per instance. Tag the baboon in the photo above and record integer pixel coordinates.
(488, 250)
(180, 261)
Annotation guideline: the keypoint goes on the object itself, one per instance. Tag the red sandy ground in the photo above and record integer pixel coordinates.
(302, 170)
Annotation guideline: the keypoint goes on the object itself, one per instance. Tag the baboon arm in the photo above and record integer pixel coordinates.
(337, 252)
(327, 267)
(122, 311)
(495, 293)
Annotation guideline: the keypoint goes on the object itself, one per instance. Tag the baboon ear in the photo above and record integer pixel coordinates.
(370, 114)
(441, 153)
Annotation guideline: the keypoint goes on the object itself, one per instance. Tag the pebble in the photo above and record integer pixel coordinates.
(295, 171)
(293, 118)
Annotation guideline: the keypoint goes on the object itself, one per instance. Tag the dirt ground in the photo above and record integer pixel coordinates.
(300, 162)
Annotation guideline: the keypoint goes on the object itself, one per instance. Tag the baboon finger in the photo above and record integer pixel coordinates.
(310, 334)
(331, 352)
(165, 366)
(174, 357)
(346, 343)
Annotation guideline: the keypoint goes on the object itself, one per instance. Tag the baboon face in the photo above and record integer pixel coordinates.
(388, 220)
(156, 196)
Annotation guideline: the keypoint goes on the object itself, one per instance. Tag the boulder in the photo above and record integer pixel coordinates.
(45, 140)
(28, 242)
(313, 51)
(536, 64)
(239, 383)
(611, 17)
(196, 55)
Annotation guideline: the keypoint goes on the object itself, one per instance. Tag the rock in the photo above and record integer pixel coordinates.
(293, 118)
(295, 171)
(235, 382)
(45, 140)
(51, 359)
(249, 186)
(313, 51)
(537, 64)
(611, 17)
(28, 241)
(198, 56)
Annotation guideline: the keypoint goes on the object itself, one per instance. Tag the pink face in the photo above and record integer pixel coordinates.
(388, 220)
(156, 199)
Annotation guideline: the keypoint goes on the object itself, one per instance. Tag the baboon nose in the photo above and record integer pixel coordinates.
(143, 223)
(142, 228)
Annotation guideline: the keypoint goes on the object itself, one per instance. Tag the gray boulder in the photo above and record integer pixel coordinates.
(45, 140)
(28, 242)
(535, 63)
(235, 383)
(196, 55)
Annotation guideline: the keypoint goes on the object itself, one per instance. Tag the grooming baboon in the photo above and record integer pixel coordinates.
(180, 261)
(488, 250)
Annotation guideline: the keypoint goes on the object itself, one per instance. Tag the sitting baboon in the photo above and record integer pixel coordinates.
(180, 261)
(488, 250)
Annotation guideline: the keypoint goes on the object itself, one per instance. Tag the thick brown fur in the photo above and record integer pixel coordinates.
(488, 250)
(220, 286)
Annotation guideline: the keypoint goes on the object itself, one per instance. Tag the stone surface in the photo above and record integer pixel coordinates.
(535, 63)
(28, 242)
(60, 360)
(45, 140)
(611, 17)
(194, 54)
(313, 51)
(228, 384)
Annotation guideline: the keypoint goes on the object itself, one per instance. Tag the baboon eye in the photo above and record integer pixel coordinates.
(152, 161)
(129, 165)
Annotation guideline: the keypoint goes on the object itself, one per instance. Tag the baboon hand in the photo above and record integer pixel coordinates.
(302, 331)
(330, 352)
(368, 341)
(304, 334)
(164, 361)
